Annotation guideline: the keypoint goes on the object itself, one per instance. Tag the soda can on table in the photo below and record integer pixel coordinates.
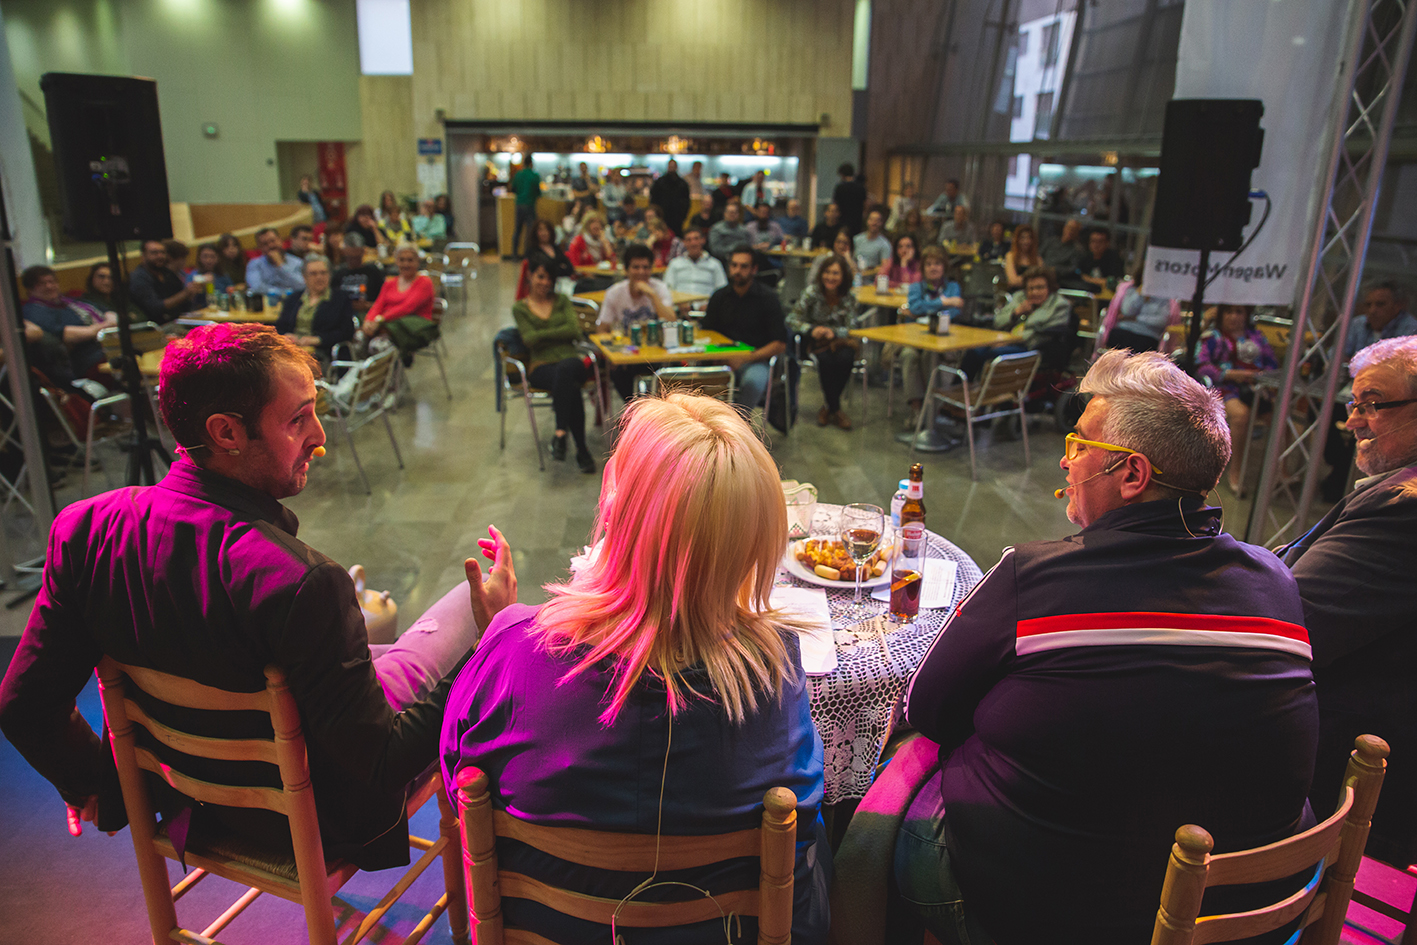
(652, 334)
(223, 301)
(635, 334)
(686, 332)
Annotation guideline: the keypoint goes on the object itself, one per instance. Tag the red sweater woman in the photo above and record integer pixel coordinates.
(409, 294)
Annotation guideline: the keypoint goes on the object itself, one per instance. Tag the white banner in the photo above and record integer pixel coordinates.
(1285, 53)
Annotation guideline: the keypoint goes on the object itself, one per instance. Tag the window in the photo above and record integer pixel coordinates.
(385, 37)
(1018, 106)
(1043, 116)
(1052, 37)
(1022, 43)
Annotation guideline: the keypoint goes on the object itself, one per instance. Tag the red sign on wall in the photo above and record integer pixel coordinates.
(333, 184)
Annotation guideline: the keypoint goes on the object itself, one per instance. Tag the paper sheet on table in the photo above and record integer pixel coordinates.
(939, 584)
(810, 605)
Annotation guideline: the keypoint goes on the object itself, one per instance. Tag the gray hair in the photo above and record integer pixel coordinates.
(353, 240)
(317, 258)
(1157, 410)
(1399, 352)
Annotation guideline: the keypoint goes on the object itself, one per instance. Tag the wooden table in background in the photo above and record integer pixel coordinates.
(617, 273)
(797, 252)
(913, 335)
(266, 316)
(867, 295)
(676, 298)
(646, 354)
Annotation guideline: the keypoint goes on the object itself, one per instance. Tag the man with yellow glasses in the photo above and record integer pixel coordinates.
(1066, 686)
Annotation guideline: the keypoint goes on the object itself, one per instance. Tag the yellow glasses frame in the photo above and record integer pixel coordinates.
(1072, 442)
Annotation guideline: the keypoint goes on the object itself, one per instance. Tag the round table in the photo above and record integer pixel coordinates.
(853, 705)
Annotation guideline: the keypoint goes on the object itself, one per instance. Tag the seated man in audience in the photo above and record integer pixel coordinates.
(72, 325)
(637, 298)
(755, 191)
(1101, 262)
(1065, 251)
(706, 217)
(749, 313)
(177, 254)
(275, 270)
(1356, 572)
(945, 204)
(1385, 315)
(357, 279)
(825, 231)
(793, 223)
(584, 185)
(301, 236)
(729, 233)
(1093, 694)
(202, 576)
(627, 220)
(695, 272)
(871, 246)
(156, 289)
(763, 231)
(613, 191)
(959, 230)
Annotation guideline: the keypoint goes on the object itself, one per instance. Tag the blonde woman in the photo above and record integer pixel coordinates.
(568, 707)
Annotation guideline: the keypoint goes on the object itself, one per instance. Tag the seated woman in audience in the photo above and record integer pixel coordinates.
(549, 328)
(1230, 357)
(443, 205)
(591, 247)
(543, 241)
(1022, 256)
(995, 246)
(571, 222)
(903, 267)
(429, 226)
(914, 224)
(662, 240)
(1141, 320)
(318, 317)
(98, 292)
(1038, 317)
(395, 228)
(934, 294)
(233, 259)
(387, 202)
(208, 268)
(840, 246)
(824, 315)
(658, 688)
(407, 294)
(365, 225)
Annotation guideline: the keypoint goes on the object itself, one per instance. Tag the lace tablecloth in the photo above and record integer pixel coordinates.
(852, 706)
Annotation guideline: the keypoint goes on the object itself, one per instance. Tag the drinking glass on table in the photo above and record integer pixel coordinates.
(861, 529)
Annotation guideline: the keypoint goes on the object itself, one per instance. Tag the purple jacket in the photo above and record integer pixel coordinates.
(202, 576)
(1218, 354)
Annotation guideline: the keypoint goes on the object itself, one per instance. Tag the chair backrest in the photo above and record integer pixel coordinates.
(710, 380)
(147, 336)
(1333, 847)
(440, 308)
(375, 375)
(773, 843)
(588, 314)
(1007, 377)
(286, 751)
(1085, 305)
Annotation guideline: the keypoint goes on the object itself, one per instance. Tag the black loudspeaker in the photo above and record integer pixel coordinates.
(107, 140)
(1208, 149)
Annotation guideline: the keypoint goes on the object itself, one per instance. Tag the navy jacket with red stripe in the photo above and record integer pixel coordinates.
(1093, 694)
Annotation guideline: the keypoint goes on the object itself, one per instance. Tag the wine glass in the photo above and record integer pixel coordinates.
(861, 529)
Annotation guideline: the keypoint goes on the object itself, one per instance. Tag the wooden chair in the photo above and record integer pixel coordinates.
(365, 392)
(711, 380)
(437, 349)
(1332, 850)
(306, 877)
(1000, 392)
(773, 843)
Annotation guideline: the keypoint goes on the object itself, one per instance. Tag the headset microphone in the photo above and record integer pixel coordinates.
(318, 451)
(1062, 493)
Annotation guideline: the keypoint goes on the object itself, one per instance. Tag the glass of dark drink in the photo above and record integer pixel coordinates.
(908, 573)
(861, 528)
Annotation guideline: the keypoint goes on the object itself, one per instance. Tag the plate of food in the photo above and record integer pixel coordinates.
(824, 561)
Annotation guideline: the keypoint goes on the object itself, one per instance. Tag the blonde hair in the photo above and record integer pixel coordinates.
(692, 525)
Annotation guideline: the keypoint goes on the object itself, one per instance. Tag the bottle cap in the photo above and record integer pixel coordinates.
(905, 484)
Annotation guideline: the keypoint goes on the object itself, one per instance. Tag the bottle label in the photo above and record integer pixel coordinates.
(916, 490)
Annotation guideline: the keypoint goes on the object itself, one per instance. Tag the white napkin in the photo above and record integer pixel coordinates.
(810, 605)
(939, 584)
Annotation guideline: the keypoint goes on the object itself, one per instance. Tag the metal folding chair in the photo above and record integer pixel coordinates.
(999, 393)
(364, 393)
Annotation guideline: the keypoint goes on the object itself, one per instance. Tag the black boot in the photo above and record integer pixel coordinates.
(558, 447)
(584, 461)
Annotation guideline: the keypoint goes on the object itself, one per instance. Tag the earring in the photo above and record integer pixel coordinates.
(234, 452)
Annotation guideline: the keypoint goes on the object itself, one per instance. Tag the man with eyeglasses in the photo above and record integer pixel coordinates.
(1065, 688)
(1357, 574)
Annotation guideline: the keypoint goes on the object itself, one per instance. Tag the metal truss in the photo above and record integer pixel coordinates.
(1377, 48)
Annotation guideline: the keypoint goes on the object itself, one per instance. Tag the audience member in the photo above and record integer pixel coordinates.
(626, 217)
(1385, 315)
(155, 289)
(749, 313)
(70, 322)
(934, 294)
(571, 222)
(849, 195)
(98, 292)
(543, 241)
(662, 240)
(959, 230)
(275, 270)
(549, 328)
(1022, 256)
(1355, 571)
(357, 280)
(824, 233)
(706, 217)
(1068, 649)
(406, 294)
(429, 227)
(387, 203)
(301, 237)
(208, 272)
(671, 194)
(995, 246)
(722, 194)
(914, 224)
(590, 247)
(1038, 316)
(635, 299)
(763, 231)
(840, 246)
(756, 192)
(365, 225)
(695, 272)
(1065, 251)
(793, 223)
(526, 184)
(824, 315)
(1142, 320)
(945, 204)
(309, 195)
(444, 206)
(901, 206)
(871, 246)
(233, 258)
(1231, 356)
(318, 317)
(238, 593)
(903, 267)
(1102, 263)
(582, 710)
(695, 180)
(585, 185)
(729, 233)
(395, 228)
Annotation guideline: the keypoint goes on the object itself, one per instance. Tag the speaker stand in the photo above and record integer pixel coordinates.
(1193, 331)
(145, 447)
